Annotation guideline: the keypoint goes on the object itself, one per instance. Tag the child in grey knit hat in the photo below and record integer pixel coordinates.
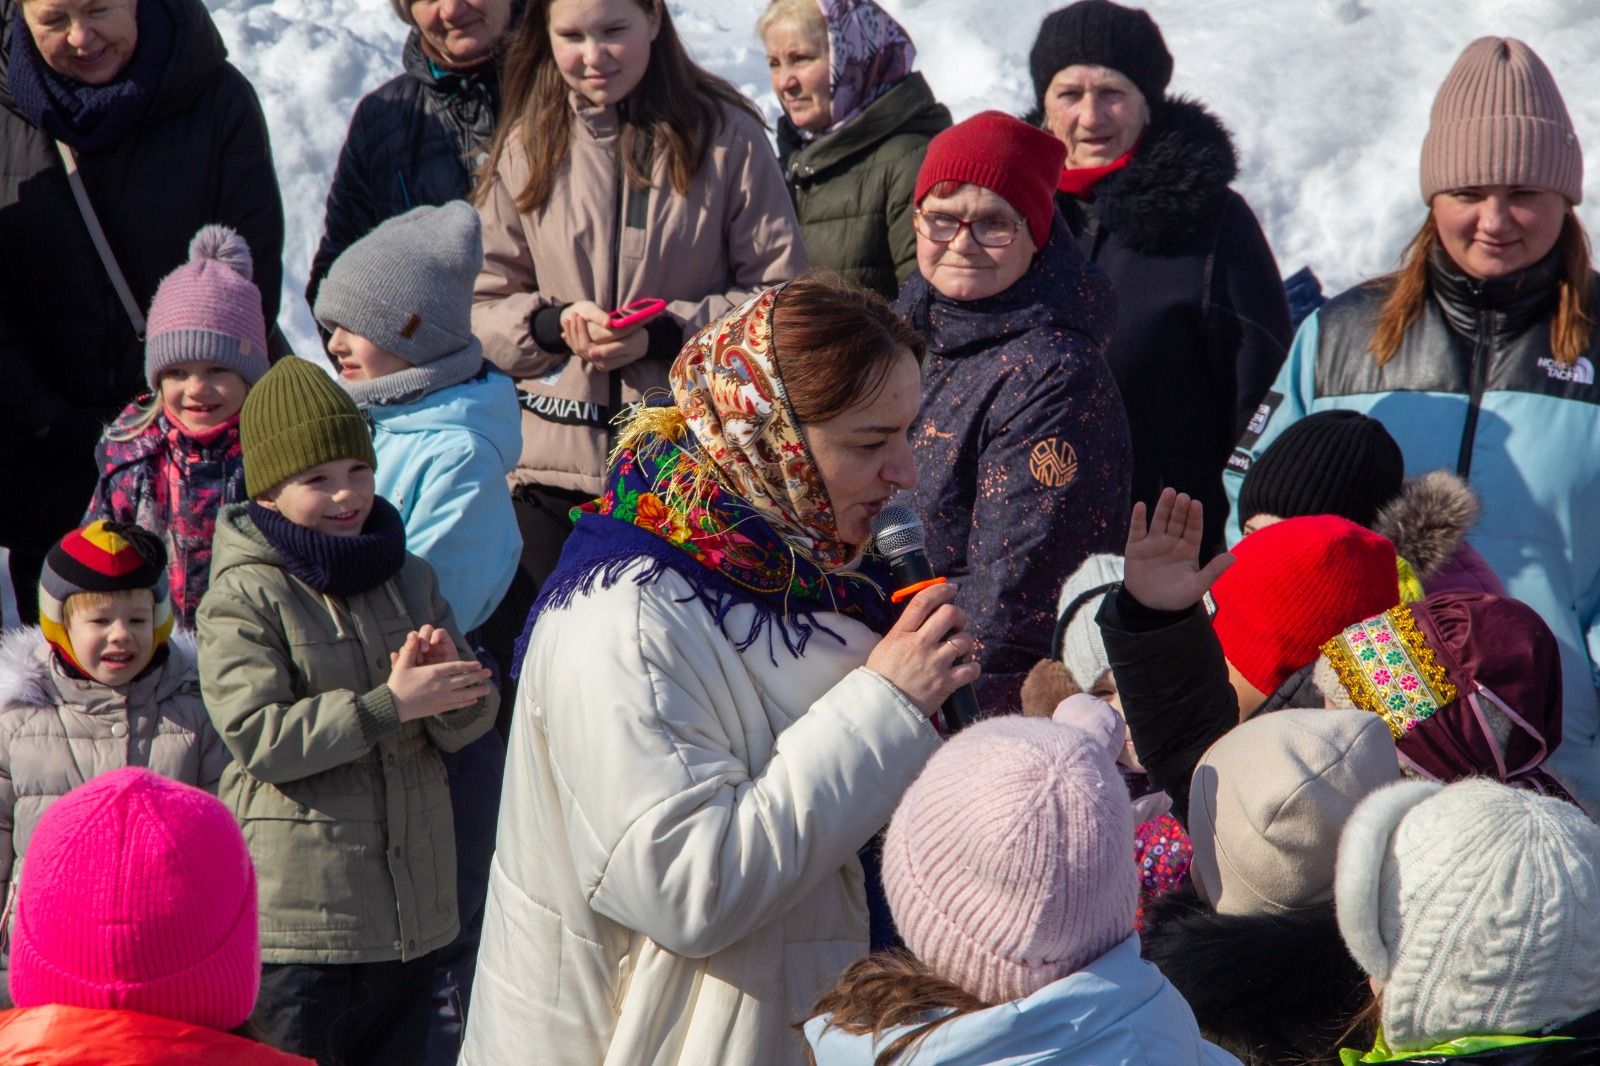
(446, 423)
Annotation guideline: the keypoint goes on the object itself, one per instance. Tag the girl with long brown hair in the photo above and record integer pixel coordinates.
(1008, 871)
(621, 171)
(1478, 356)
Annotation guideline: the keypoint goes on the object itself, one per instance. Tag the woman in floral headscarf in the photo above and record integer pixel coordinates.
(715, 713)
(856, 122)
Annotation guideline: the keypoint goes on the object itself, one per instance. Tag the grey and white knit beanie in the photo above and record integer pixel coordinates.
(1078, 642)
(407, 287)
(1476, 904)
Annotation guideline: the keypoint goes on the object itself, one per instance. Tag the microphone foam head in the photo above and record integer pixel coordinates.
(897, 530)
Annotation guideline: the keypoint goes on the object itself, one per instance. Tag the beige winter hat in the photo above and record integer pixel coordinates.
(1499, 120)
(1268, 800)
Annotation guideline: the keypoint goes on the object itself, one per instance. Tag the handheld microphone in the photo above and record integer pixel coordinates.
(898, 536)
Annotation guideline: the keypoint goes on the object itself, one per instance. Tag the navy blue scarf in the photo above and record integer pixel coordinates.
(338, 566)
(88, 117)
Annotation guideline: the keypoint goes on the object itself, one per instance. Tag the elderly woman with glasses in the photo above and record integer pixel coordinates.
(1022, 446)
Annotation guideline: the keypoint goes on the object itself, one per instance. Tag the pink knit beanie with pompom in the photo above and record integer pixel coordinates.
(208, 311)
(1009, 862)
(137, 893)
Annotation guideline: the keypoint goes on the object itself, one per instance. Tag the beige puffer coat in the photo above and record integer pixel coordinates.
(346, 809)
(733, 234)
(57, 731)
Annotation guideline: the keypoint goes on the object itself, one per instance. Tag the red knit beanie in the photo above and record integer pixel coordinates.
(1296, 584)
(1019, 162)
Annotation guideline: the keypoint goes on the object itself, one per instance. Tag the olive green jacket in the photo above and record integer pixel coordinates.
(345, 808)
(852, 187)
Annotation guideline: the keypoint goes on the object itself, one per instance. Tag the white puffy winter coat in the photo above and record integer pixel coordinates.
(676, 877)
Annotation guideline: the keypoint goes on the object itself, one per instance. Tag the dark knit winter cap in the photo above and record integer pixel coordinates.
(1331, 462)
(296, 418)
(1018, 162)
(1098, 33)
(103, 556)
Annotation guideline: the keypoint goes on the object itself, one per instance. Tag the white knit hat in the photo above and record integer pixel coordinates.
(1268, 800)
(1476, 904)
(1078, 640)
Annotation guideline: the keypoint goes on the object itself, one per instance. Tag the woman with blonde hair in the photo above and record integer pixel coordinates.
(1478, 355)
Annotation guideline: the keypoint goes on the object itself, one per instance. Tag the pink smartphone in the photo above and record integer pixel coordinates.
(634, 313)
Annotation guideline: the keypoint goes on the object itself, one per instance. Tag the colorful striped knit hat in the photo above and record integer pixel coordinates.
(102, 557)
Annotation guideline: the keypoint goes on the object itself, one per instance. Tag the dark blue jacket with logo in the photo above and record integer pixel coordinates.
(1476, 389)
(1022, 449)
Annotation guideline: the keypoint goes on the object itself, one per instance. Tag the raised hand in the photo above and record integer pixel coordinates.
(1161, 565)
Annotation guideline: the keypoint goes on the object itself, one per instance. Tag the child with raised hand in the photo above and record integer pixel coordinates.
(172, 458)
(136, 940)
(98, 685)
(1016, 900)
(447, 427)
(333, 669)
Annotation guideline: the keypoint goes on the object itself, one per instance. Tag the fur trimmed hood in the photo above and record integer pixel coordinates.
(1174, 182)
(1429, 521)
(25, 676)
(1278, 988)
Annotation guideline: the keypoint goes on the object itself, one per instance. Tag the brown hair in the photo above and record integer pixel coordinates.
(98, 601)
(835, 343)
(1571, 327)
(674, 111)
(887, 989)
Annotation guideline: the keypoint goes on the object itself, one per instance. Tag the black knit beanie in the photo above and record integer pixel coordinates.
(1333, 462)
(1099, 33)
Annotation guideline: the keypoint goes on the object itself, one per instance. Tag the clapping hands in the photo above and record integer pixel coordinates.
(1161, 563)
(428, 676)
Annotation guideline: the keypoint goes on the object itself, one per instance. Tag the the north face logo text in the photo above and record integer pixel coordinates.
(1581, 371)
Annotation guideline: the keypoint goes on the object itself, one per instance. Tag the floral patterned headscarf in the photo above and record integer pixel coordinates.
(727, 385)
(868, 54)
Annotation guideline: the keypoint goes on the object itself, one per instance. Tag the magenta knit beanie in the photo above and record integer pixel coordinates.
(1499, 120)
(1017, 162)
(137, 894)
(1009, 862)
(208, 311)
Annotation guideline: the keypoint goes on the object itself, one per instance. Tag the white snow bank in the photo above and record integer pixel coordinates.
(1327, 99)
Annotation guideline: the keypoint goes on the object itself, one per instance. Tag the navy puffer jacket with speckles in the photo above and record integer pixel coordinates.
(1023, 452)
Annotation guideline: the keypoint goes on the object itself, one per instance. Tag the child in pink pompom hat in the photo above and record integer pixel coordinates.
(135, 936)
(1008, 872)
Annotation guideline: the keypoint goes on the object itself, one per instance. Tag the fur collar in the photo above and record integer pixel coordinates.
(26, 679)
(1174, 181)
(1429, 520)
(1271, 988)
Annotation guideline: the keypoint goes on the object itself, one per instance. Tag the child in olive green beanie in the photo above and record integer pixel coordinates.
(333, 669)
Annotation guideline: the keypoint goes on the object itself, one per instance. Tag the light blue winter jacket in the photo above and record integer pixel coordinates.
(442, 462)
(1532, 452)
(1117, 1011)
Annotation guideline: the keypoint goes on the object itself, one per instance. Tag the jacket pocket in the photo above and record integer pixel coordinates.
(308, 873)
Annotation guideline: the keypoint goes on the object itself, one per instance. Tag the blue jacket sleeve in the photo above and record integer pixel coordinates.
(1288, 401)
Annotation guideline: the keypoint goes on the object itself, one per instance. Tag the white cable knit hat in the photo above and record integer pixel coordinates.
(1476, 904)
(1078, 641)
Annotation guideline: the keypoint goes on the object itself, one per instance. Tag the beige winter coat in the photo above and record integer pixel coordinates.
(732, 234)
(676, 877)
(345, 808)
(57, 731)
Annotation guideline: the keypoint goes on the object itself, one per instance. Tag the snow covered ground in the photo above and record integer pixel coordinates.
(1327, 99)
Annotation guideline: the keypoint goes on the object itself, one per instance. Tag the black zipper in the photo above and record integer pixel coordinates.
(1482, 356)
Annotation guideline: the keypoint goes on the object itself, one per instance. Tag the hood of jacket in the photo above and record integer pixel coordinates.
(1282, 984)
(27, 676)
(1117, 1009)
(1429, 521)
(197, 53)
(237, 542)
(59, 1035)
(1174, 181)
(485, 406)
(908, 108)
(1060, 291)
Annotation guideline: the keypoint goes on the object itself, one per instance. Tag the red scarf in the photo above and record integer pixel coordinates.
(1080, 181)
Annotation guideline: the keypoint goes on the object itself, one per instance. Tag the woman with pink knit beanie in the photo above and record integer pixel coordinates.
(1478, 355)
(135, 939)
(1016, 901)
